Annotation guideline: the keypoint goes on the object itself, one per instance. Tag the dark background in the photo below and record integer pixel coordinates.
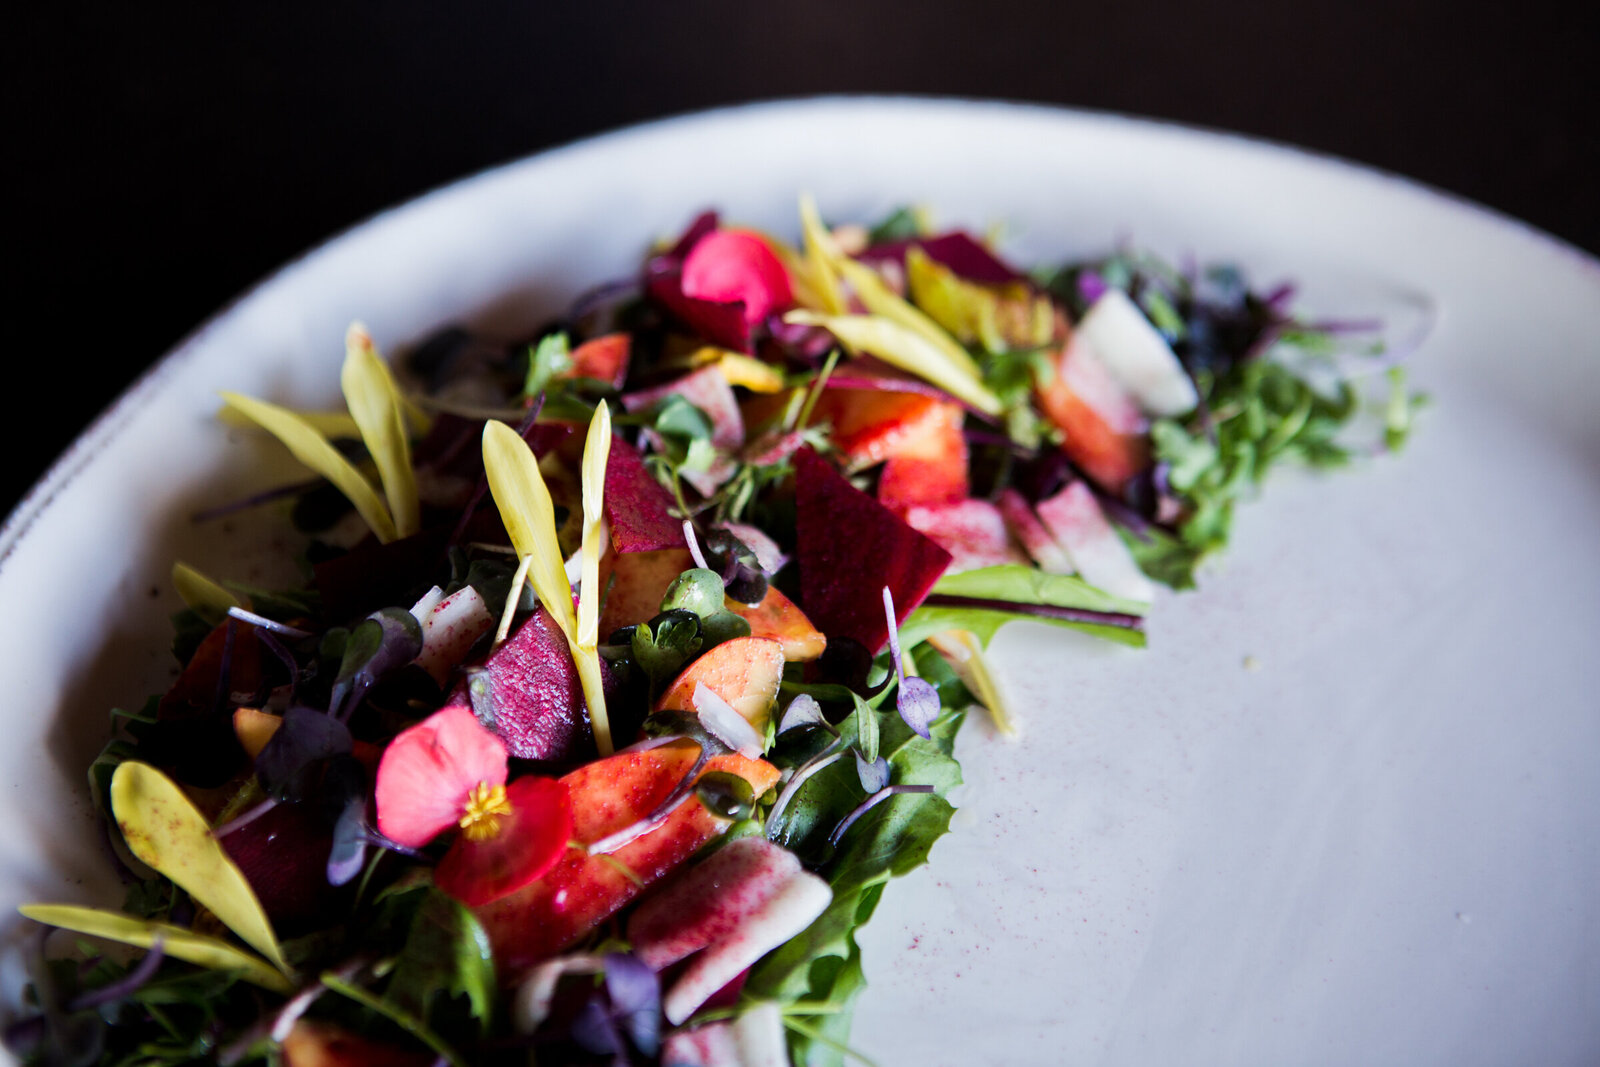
(167, 156)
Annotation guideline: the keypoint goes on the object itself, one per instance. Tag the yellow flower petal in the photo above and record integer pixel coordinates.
(375, 404)
(201, 593)
(313, 449)
(905, 348)
(176, 941)
(169, 834)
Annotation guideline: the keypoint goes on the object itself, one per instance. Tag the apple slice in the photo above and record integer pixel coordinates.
(1104, 428)
(581, 890)
(702, 904)
(638, 581)
(745, 672)
(848, 547)
(1026, 528)
(781, 619)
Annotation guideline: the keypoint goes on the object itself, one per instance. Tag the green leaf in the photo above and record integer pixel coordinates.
(902, 224)
(448, 952)
(550, 358)
(176, 941)
(866, 722)
(168, 833)
(1018, 584)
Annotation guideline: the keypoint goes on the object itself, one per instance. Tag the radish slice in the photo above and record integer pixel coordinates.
(429, 601)
(1026, 527)
(725, 723)
(1074, 518)
(450, 629)
(794, 907)
(728, 266)
(758, 1033)
(704, 1046)
(705, 903)
(1137, 355)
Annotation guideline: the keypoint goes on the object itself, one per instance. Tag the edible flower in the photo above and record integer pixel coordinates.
(448, 770)
(736, 266)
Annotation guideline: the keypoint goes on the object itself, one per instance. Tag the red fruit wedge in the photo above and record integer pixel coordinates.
(638, 508)
(930, 467)
(581, 891)
(638, 581)
(848, 548)
(531, 687)
(869, 425)
(604, 359)
(972, 531)
(745, 672)
(781, 619)
(524, 844)
(728, 266)
(1103, 428)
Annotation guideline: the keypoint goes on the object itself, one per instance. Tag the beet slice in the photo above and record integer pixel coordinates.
(849, 547)
(956, 250)
(722, 324)
(528, 692)
(638, 508)
(283, 854)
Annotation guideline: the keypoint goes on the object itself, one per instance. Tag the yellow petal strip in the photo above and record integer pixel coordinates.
(169, 834)
(201, 593)
(374, 402)
(998, 317)
(739, 369)
(905, 348)
(879, 299)
(820, 255)
(334, 425)
(176, 941)
(529, 516)
(964, 652)
(596, 452)
(313, 449)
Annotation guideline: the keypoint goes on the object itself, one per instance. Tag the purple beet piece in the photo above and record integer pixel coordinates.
(284, 856)
(848, 548)
(374, 575)
(703, 224)
(638, 508)
(956, 250)
(529, 693)
(867, 372)
(719, 323)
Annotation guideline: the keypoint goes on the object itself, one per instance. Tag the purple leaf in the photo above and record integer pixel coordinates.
(288, 764)
(918, 704)
(874, 775)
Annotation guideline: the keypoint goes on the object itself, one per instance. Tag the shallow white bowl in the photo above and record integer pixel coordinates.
(1381, 847)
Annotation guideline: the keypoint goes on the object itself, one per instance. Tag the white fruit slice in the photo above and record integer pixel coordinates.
(972, 531)
(1137, 355)
(1026, 528)
(449, 631)
(707, 901)
(1074, 518)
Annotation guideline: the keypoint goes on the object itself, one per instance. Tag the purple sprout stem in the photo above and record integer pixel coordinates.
(1119, 619)
(679, 794)
(250, 816)
(871, 802)
(266, 496)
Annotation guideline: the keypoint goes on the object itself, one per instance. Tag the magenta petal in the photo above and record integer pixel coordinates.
(730, 266)
(428, 770)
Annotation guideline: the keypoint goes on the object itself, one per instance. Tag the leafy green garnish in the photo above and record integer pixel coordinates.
(447, 952)
(1017, 584)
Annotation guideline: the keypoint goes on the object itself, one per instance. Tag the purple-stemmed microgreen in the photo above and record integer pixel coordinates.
(803, 710)
(874, 774)
(917, 700)
(871, 802)
(694, 545)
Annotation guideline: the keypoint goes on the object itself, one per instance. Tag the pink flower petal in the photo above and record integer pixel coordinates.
(733, 265)
(428, 770)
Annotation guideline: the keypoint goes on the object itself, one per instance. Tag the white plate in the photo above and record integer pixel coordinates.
(1381, 847)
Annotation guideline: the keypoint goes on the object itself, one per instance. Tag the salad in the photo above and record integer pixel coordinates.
(632, 655)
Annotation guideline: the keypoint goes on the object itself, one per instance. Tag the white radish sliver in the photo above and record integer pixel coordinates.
(450, 630)
(758, 1033)
(725, 723)
(1137, 355)
(1074, 518)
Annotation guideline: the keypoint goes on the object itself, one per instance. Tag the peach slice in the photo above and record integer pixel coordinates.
(781, 619)
(638, 582)
(745, 672)
(1103, 427)
(930, 467)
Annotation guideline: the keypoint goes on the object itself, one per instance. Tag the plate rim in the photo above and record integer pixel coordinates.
(100, 431)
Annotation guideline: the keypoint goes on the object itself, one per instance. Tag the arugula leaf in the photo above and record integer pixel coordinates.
(446, 952)
(552, 356)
